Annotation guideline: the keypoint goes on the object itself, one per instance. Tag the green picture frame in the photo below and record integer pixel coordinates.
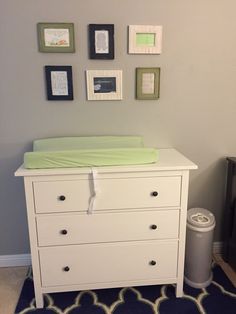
(148, 83)
(56, 37)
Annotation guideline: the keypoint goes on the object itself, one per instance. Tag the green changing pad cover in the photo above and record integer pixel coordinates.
(87, 142)
(88, 152)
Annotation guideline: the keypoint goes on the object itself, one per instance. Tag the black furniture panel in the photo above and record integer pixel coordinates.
(229, 249)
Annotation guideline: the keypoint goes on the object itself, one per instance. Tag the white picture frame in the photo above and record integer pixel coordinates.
(145, 39)
(104, 84)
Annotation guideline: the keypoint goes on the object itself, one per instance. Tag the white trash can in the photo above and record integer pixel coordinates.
(198, 255)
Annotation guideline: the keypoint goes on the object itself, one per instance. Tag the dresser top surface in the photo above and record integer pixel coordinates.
(168, 159)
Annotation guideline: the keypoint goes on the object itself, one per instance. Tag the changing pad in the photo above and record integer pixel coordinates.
(88, 152)
(87, 142)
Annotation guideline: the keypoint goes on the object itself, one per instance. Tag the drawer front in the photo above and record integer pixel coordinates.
(61, 196)
(59, 229)
(97, 263)
(138, 192)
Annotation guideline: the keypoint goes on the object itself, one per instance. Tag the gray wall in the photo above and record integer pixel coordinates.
(195, 114)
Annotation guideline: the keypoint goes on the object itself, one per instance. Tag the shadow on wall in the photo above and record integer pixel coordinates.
(207, 190)
(13, 228)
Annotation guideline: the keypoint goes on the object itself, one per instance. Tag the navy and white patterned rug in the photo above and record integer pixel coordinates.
(218, 298)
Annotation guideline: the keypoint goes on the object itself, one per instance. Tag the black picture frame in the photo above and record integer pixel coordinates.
(104, 49)
(59, 82)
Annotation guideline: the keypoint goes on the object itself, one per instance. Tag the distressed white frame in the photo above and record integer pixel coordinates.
(91, 74)
(149, 29)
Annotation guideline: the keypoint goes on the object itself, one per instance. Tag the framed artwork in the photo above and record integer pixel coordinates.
(145, 39)
(104, 84)
(147, 83)
(56, 37)
(101, 41)
(59, 82)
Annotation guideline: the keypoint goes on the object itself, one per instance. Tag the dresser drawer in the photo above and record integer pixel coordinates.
(123, 193)
(96, 263)
(61, 229)
(61, 196)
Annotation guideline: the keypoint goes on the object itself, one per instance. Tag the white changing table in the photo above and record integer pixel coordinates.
(134, 236)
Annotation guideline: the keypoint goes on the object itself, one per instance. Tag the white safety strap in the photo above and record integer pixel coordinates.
(95, 191)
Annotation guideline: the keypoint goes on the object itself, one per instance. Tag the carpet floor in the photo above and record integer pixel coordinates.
(218, 298)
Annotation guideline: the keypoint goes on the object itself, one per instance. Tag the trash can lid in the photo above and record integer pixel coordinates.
(200, 217)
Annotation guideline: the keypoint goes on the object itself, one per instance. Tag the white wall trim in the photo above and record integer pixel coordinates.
(25, 259)
(15, 260)
(217, 247)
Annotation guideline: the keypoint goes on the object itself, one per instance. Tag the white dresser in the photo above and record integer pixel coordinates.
(133, 235)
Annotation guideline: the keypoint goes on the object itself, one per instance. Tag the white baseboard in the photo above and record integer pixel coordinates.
(25, 259)
(15, 260)
(217, 247)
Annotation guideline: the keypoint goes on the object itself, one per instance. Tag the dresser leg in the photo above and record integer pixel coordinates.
(39, 300)
(179, 290)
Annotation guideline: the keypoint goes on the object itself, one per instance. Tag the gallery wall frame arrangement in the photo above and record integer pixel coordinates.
(100, 84)
(145, 39)
(101, 41)
(148, 83)
(104, 84)
(56, 37)
(59, 84)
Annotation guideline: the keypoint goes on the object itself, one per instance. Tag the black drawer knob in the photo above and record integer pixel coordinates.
(61, 197)
(154, 193)
(153, 227)
(66, 268)
(152, 263)
(64, 231)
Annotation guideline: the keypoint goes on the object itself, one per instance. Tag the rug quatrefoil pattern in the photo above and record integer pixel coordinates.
(218, 298)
